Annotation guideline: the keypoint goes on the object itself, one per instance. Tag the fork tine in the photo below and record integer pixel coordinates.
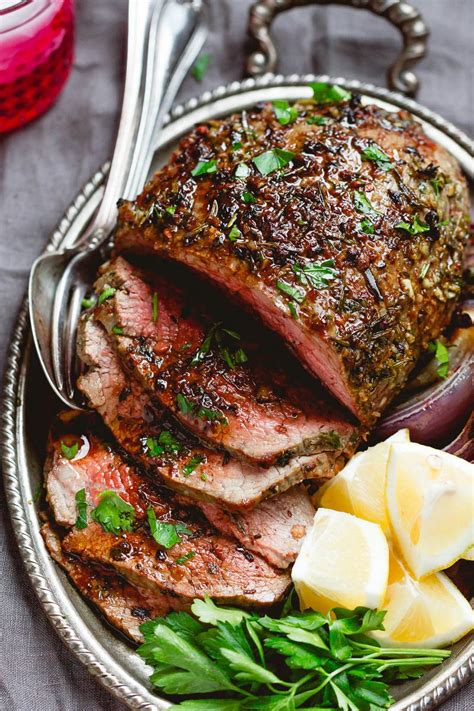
(69, 339)
(60, 308)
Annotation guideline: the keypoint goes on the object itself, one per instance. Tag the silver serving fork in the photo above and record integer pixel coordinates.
(164, 38)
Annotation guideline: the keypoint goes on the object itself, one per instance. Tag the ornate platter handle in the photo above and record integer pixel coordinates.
(402, 15)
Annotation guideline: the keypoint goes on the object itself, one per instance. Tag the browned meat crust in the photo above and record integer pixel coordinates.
(394, 287)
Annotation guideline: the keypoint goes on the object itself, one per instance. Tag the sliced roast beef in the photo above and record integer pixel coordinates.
(344, 230)
(272, 529)
(124, 606)
(224, 385)
(276, 527)
(168, 453)
(201, 562)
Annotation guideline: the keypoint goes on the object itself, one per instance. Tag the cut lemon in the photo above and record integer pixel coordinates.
(427, 613)
(343, 563)
(359, 488)
(430, 503)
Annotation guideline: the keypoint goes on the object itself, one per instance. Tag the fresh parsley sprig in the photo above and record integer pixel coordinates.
(441, 355)
(113, 513)
(297, 660)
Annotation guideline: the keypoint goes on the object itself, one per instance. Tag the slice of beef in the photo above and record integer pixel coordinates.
(348, 244)
(202, 562)
(138, 424)
(224, 385)
(276, 527)
(273, 529)
(124, 606)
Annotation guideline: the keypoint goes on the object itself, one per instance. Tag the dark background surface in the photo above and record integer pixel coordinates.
(43, 166)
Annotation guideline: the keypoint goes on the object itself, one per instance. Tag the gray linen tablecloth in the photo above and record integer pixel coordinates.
(43, 166)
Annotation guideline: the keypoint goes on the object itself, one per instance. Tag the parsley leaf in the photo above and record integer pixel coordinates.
(184, 558)
(87, 303)
(242, 170)
(441, 356)
(234, 234)
(284, 113)
(272, 160)
(81, 508)
(317, 120)
(186, 407)
(164, 443)
(362, 203)
(106, 293)
(200, 66)
(366, 226)
(324, 93)
(248, 198)
(113, 513)
(293, 292)
(171, 209)
(207, 611)
(117, 330)
(329, 439)
(69, 452)
(415, 228)
(225, 342)
(328, 660)
(205, 168)
(192, 464)
(166, 534)
(315, 275)
(376, 154)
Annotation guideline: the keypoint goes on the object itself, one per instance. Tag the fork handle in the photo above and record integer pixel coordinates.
(399, 13)
(158, 32)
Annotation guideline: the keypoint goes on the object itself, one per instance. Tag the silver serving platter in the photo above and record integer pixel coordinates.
(29, 407)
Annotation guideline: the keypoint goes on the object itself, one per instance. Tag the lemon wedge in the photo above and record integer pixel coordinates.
(430, 503)
(343, 562)
(359, 488)
(427, 613)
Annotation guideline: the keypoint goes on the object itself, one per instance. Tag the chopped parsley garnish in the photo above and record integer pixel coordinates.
(204, 168)
(376, 154)
(324, 93)
(225, 342)
(234, 659)
(248, 198)
(117, 330)
(366, 226)
(113, 513)
(293, 292)
(316, 275)
(192, 464)
(69, 452)
(236, 145)
(171, 209)
(165, 443)
(184, 558)
(234, 234)
(272, 160)
(362, 203)
(200, 66)
(106, 293)
(166, 534)
(441, 357)
(317, 120)
(38, 491)
(293, 311)
(186, 407)
(284, 113)
(154, 306)
(242, 170)
(415, 228)
(81, 508)
(87, 303)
